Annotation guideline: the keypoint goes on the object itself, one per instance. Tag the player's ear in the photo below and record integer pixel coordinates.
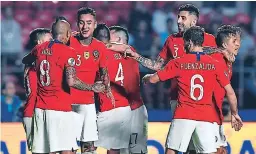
(95, 26)
(38, 42)
(224, 44)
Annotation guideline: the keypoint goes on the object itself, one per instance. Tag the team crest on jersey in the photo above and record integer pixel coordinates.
(117, 56)
(86, 55)
(71, 61)
(96, 54)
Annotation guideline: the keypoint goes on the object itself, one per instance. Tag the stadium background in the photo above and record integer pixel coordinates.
(149, 24)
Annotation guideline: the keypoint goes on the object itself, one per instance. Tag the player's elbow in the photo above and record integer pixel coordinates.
(70, 82)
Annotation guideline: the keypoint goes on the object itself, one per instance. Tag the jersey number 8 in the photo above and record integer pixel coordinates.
(44, 73)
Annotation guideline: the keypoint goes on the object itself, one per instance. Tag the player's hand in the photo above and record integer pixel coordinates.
(129, 53)
(146, 78)
(74, 33)
(236, 122)
(98, 87)
(229, 56)
(111, 96)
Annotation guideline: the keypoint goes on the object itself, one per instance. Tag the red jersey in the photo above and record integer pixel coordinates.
(219, 91)
(53, 93)
(133, 83)
(89, 59)
(195, 74)
(30, 84)
(174, 48)
(118, 77)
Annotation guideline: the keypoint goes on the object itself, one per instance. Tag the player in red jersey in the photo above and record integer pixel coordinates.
(53, 117)
(228, 38)
(90, 58)
(174, 45)
(194, 114)
(37, 36)
(139, 119)
(114, 121)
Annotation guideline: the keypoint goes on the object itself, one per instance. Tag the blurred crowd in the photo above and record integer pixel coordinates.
(149, 24)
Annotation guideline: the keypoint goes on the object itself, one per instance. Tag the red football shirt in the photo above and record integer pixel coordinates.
(219, 91)
(195, 74)
(30, 84)
(132, 83)
(53, 93)
(174, 48)
(118, 78)
(89, 59)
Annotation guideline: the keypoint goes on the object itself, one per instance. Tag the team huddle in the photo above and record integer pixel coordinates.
(68, 73)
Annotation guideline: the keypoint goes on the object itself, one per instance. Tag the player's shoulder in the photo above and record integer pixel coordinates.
(208, 35)
(97, 43)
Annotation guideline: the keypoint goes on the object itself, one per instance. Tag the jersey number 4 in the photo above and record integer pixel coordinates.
(120, 74)
(44, 73)
(194, 86)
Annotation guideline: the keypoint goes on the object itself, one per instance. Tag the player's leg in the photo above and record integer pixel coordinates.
(191, 148)
(89, 127)
(179, 135)
(27, 124)
(39, 139)
(204, 138)
(113, 151)
(223, 141)
(61, 131)
(139, 131)
(114, 129)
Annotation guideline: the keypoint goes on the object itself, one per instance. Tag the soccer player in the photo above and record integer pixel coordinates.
(193, 117)
(138, 137)
(174, 46)
(90, 59)
(54, 123)
(114, 121)
(228, 38)
(37, 36)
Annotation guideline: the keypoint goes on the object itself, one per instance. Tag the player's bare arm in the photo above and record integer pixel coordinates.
(150, 78)
(75, 82)
(211, 50)
(28, 59)
(146, 62)
(236, 121)
(106, 81)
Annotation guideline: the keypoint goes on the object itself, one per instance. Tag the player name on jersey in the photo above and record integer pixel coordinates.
(197, 66)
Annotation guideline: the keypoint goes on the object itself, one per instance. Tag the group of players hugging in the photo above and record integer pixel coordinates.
(67, 72)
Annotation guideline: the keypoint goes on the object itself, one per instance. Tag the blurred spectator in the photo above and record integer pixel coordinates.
(10, 33)
(247, 45)
(10, 104)
(143, 40)
(170, 30)
(139, 12)
(254, 26)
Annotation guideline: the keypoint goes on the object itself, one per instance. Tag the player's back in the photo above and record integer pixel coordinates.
(197, 75)
(53, 91)
(118, 72)
(30, 84)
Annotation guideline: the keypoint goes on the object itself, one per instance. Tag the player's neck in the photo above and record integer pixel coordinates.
(196, 49)
(86, 41)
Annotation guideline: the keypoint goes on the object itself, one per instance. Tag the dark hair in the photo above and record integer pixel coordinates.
(224, 32)
(194, 34)
(192, 9)
(36, 35)
(98, 32)
(121, 29)
(86, 10)
(60, 18)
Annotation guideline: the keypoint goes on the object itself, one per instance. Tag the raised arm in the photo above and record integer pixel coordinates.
(146, 62)
(211, 50)
(75, 82)
(28, 59)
